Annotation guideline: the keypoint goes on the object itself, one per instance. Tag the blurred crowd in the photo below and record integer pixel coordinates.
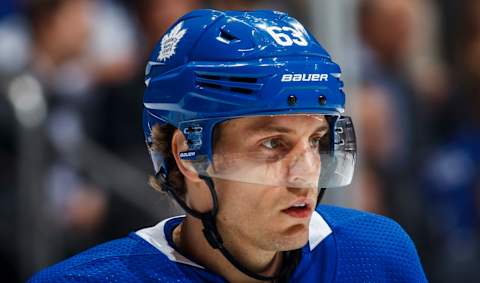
(73, 166)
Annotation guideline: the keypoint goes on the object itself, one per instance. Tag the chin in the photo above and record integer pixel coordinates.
(292, 245)
(294, 238)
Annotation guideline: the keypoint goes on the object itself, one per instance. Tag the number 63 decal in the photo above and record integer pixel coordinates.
(284, 39)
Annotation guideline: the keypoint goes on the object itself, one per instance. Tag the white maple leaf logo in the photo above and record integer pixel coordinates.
(170, 41)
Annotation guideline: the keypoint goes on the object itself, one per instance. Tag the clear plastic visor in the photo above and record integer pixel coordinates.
(302, 151)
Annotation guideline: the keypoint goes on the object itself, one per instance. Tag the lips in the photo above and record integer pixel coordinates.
(301, 208)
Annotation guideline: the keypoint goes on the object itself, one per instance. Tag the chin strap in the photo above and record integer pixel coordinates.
(320, 195)
(214, 238)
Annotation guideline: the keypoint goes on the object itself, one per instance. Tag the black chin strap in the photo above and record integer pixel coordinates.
(214, 238)
(320, 195)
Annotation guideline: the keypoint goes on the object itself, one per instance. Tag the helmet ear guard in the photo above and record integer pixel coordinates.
(183, 156)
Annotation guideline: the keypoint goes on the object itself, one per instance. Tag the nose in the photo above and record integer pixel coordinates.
(304, 166)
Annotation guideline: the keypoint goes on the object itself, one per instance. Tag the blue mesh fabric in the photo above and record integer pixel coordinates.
(362, 247)
(371, 248)
(128, 259)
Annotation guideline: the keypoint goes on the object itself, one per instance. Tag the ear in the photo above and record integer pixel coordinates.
(179, 144)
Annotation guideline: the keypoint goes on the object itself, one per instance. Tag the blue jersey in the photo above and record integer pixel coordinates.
(344, 245)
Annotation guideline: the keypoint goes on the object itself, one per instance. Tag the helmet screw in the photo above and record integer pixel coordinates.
(292, 100)
(322, 100)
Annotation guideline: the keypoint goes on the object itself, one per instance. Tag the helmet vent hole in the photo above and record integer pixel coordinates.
(241, 90)
(322, 100)
(243, 79)
(230, 84)
(227, 37)
(210, 85)
(292, 100)
(210, 77)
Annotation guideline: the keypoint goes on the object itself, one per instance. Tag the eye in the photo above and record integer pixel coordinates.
(315, 142)
(271, 143)
(320, 142)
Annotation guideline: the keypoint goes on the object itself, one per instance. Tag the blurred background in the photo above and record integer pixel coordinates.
(74, 168)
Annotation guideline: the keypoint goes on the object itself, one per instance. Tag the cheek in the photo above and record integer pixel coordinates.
(243, 203)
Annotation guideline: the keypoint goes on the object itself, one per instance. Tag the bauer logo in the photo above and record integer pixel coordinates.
(188, 155)
(305, 78)
(170, 41)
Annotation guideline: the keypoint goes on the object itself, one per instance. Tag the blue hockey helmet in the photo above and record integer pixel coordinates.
(213, 66)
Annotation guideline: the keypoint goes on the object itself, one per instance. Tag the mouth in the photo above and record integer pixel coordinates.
(299, 209)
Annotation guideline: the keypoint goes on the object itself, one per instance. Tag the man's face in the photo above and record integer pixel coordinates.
(266, 171)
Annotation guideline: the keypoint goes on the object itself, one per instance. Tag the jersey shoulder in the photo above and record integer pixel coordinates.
(371, 247)
(129, 259)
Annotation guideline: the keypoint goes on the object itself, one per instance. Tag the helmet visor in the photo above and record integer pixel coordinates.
(304, 151)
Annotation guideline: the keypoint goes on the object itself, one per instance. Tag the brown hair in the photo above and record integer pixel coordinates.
(162, 143)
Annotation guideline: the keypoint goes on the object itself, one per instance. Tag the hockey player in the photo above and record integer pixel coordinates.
(243, 118)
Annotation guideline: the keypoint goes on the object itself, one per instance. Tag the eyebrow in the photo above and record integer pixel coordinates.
(266, 127)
